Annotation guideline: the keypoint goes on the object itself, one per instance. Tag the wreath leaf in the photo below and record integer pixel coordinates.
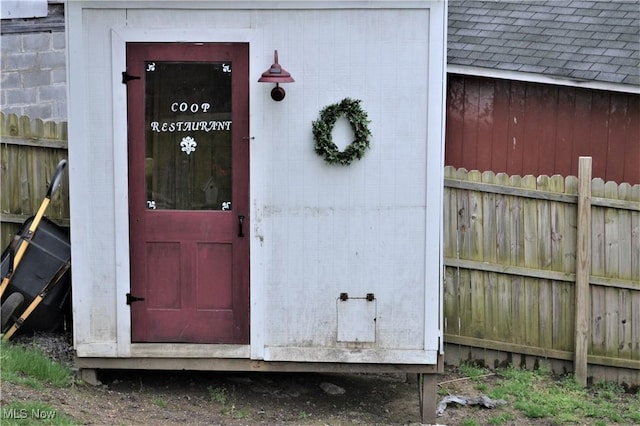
(323, 129)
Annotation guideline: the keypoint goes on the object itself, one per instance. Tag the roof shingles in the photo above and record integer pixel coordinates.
(579, 40)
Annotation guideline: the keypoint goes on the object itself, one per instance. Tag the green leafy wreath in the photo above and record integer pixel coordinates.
(323, 128)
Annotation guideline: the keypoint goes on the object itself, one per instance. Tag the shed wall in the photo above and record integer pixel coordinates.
(317, 230)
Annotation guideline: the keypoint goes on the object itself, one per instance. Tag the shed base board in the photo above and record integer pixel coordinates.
(218, 364)
(350, 355)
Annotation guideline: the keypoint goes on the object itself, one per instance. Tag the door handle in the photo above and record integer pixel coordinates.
(240, 222)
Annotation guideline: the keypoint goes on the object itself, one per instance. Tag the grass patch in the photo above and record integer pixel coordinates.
(218, 394)
(31, 367)
(500, 419)
(472, 371)
(227, 399)
(482, 387)
(302, 415)
(608, 390)
(634, 409)
(538, 395)
(32, 413)
(160, 402)
(443, 391)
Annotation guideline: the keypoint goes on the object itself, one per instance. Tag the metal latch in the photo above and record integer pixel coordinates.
(126, 78)
(131, 299)
(370, 297)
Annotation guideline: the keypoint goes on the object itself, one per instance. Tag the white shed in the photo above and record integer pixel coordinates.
(207, 233)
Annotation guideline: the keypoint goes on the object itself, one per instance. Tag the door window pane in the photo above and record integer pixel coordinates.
(188, 136)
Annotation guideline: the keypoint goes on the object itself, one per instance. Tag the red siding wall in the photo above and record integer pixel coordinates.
(530, 128)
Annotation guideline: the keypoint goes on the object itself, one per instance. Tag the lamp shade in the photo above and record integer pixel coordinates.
(275, 73)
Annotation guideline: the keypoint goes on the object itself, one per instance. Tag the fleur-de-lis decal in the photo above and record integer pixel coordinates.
(188, 145)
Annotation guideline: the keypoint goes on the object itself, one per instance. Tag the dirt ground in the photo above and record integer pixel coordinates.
(205, 398)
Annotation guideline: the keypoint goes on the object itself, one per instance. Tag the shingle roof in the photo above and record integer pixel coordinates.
(583, 40)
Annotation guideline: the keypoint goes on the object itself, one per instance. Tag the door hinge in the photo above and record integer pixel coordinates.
(131, 299)
(128, 77)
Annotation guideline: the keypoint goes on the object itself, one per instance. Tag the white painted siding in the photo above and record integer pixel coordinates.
(357, 229)
(316, 230)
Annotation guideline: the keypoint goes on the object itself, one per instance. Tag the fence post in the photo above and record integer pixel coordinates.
(583, 269)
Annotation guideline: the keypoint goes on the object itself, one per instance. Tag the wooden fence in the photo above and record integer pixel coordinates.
(29, 153)
(510, 247)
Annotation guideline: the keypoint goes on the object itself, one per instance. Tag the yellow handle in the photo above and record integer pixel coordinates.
(25, 243)
(24, 316)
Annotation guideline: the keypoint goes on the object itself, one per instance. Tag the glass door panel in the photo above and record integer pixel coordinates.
(188, 135)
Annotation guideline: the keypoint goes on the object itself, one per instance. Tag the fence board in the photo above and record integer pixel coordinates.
(635, 325)
(450, 300)
(464, 250)
(502, 315)
(612, 340)
(624, 234)
(634, 195)
(489, 250)
(451, 248)
(477, 284)
(624, 324)
(516, 224)
(611, 237)
(598, 344)
(517, 302)
(615, 310)
(531, 260)
(450, 211)
(465, 323)
(489, 219)
(559, 298)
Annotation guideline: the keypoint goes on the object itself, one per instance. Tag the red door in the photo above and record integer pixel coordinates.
(188, 118)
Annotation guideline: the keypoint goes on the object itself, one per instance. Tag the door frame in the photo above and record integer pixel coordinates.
(119, 38)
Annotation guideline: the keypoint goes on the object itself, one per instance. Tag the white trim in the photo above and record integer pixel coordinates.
(257, 170)
(341, 355)
(187, 350)
(435, 172)
(76, 85)
(251, 5)
(119, 38)
(443, 119)
(169, 35)
(538, 78)
(121, 193)
(96, 349)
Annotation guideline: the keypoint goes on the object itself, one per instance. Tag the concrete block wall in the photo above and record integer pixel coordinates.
(33, 75)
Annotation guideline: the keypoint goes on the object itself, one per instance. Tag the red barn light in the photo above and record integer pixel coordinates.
(276, 74)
